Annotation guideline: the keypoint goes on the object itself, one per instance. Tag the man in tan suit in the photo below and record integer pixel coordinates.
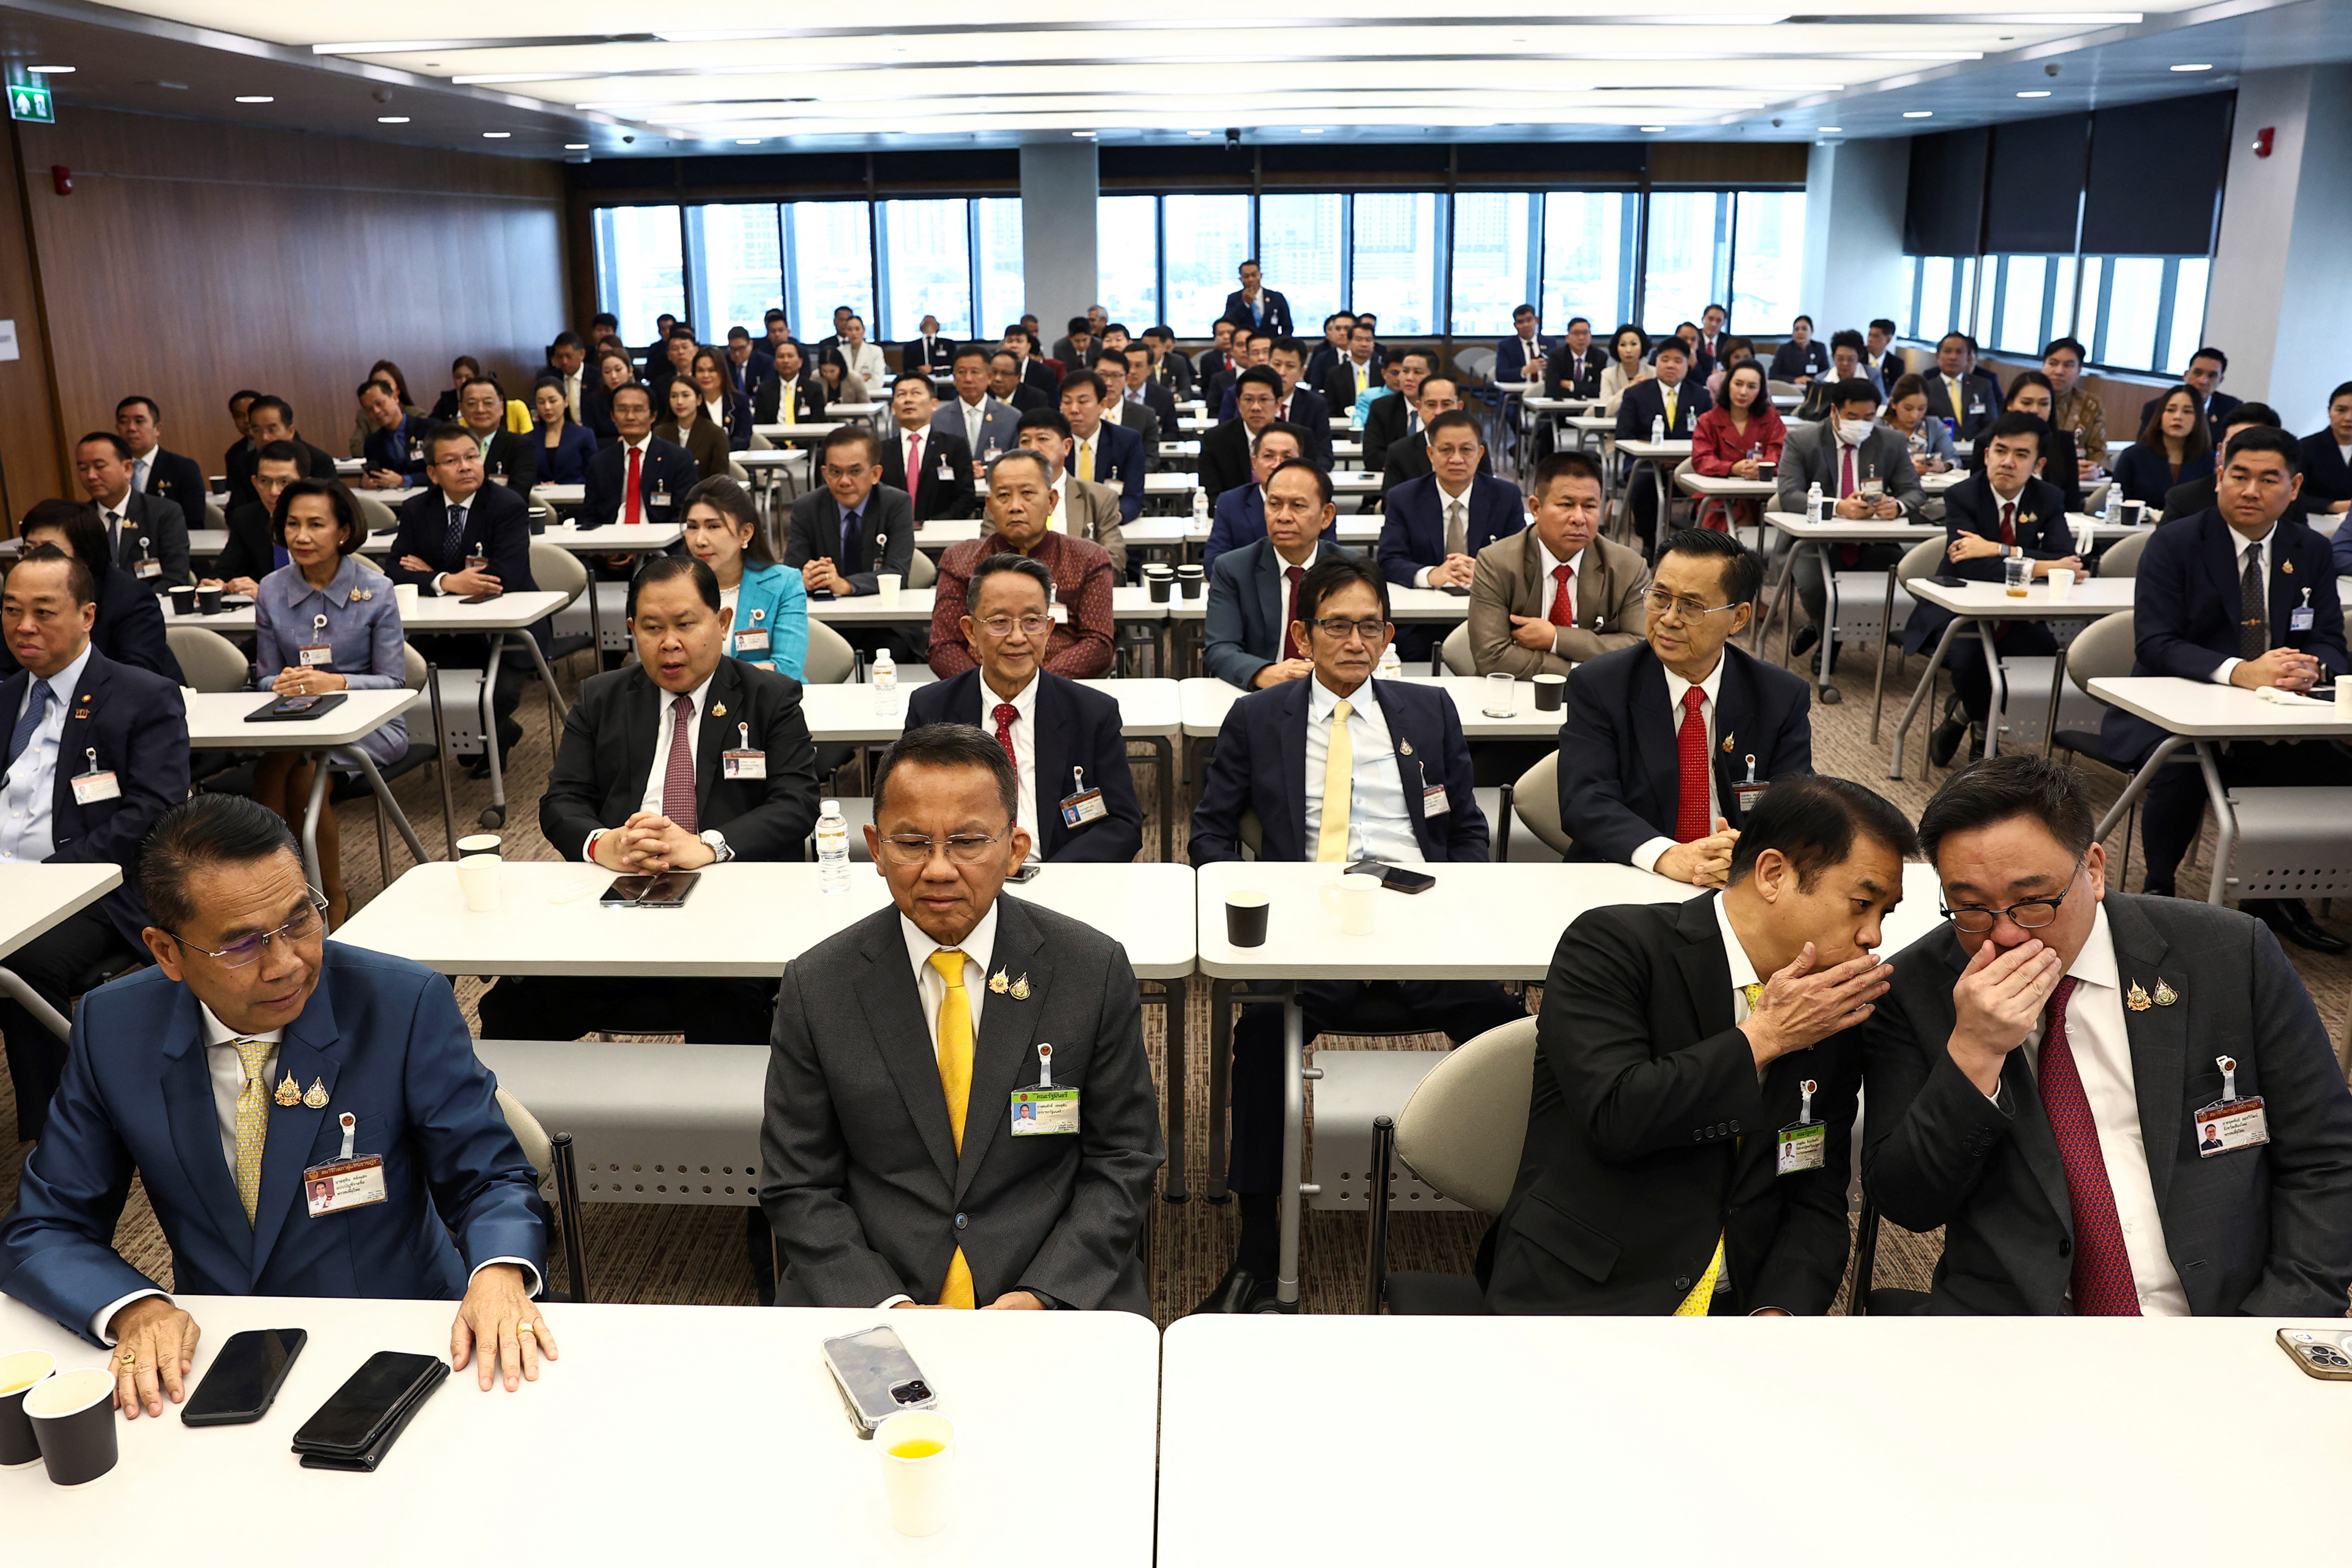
(1082, 508)
(1556, 594)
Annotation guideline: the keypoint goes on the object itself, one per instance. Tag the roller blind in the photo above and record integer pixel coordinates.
(2035, 185)
(1945, 205)
(2156, 176)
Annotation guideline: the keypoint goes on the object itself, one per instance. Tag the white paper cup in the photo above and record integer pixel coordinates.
(2062, 583)
(886, 589)
(1351, 898)
(478, 844)
(2344, 698)
(404, 596)
(917, 1484)
(478, 875)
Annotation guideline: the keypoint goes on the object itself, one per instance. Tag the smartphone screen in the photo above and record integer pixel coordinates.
(1396, 879)
(360, 1405)
(244, 1377)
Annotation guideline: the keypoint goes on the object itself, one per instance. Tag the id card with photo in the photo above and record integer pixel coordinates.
(343, 1184)
(1044, 1112)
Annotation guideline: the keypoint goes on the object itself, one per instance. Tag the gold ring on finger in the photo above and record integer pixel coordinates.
(531, 1329)
(129, 1358)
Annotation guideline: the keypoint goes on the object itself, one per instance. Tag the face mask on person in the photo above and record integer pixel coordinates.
(1854, 432)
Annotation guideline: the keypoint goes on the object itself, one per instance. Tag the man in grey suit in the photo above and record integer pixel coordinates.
(986, 424)
(900, 1169)
(2041, 1076)
(1847, 454)
(1247, 639)
(147, 534)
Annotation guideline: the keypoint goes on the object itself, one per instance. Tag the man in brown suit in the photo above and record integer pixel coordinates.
(1556, 594)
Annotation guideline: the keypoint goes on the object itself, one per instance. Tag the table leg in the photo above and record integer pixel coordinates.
(1293, 1147)
(1163, 763)
(2139, 783)
(1887, 635)
(1221, 1066)
(389, 806)
(1992, 669)
(2225, 822)
(1831, 696)
(311, 816)
(1178, 1036)
(2057, 687)
(495, 814)
(1919, 693)
(538, 657)
(595, 622)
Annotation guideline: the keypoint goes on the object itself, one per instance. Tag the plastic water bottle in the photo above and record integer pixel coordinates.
(1813, 502)
(884, 678)
(1657, 427)
(1391, 667)
(1199, 508)
(831, 849)
(2115, 505)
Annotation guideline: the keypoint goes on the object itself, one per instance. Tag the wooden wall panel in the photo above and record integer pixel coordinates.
(28, 434)
(194, 258)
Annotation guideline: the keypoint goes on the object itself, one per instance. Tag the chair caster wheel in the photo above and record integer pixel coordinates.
(1832, 697)
(494, 816)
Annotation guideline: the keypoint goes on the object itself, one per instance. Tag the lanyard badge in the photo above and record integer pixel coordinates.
(1082, 805)
(752, 638)
(1045, 1111)
(1803, 1144)
(2230, 1123)
(742, 761)
(1750, 790)
(93, 786)
(316, 654)
(350, 1181)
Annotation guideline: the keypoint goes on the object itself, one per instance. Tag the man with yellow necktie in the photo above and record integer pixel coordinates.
(1688, 1141)
(960, 1112)
(1335, 768)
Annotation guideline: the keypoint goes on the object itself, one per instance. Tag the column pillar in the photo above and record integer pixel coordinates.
(1854, 195)
(1059, 184)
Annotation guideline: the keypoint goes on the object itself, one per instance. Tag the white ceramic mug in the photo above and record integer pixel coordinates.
(917, 1482)
(886, 589)
(2062, 583)
(1351, 898)
(478, 875)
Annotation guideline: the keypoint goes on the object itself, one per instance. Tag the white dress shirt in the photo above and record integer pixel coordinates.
(2100, 1041)
(659, 769)
(30, 792)
(464, 504)
(1024, 749)
(1379, 823)
(1646, 857)
(2261, 547)
(972, 413)
(1447, 500)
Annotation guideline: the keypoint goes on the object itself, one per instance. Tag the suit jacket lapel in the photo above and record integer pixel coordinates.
(307, 1053)
(2287, 584)
(1293, 719)
(1271, 596)
(1706, 967)
(187, 1090)
(1004, 1056)
(1409, 751)
(894, 1012)
(73, 742)
(1735, 705)
(2159, 1041)
(2221, 547)
(640, 711)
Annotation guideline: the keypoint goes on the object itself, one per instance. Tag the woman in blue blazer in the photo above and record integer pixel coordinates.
(2173, 447)
(766, 608)
(565, 445)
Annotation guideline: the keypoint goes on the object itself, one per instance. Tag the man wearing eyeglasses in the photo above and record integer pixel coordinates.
(1076, 797)
(1022, 507)
(2040, 1074)
(897, 1167)
(1336, 768)
(650, 776)
(251, 1060)
(1666, 743)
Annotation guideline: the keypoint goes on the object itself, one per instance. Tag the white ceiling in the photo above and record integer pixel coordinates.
(451, 74)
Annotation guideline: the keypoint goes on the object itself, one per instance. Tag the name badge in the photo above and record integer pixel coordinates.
(2299, 618)
(93, 786)
(947, 471)
(2231, 1123)
(342, 1184)
(315, 656)
(660, 498)
(752, 640)
(742, 761)
(1803, 1144)
(1082, 805)
(1045, 1112)
(1749, 790)
(146, 565)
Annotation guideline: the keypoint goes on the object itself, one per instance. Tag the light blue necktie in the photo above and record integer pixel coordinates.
(35, 711)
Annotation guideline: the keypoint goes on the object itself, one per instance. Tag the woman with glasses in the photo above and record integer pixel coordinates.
(764, 605)
(324, 622)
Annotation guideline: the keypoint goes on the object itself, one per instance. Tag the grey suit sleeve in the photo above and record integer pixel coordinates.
(2310, 1151)
(1083, 1255)
(1223, 651)
(169, 531)
(805, 1190)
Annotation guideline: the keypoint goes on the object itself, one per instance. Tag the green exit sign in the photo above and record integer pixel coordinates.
(30, 101)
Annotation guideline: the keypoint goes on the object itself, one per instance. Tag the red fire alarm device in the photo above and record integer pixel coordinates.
(62, 178)
(2262, 138)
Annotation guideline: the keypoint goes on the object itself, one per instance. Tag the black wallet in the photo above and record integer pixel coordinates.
(358, 1426)
(270, 711)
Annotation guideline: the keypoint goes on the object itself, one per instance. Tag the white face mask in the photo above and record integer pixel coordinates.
(1854, 432)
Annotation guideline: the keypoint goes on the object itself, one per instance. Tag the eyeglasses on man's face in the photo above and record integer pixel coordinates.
(2031, 915)
(1664, 605)
(307, 921)
(1029, 625)
(1338, 629)
(963, 849)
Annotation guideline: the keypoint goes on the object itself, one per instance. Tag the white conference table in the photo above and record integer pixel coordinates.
(1206, 702)
(1608, 1439)
(37, 899)
(217, 722)
(2199, 713)
(613, 539)
(815, 431)
(1449, 931)
(1660, 458)
(687, 1434)
(1983, 606)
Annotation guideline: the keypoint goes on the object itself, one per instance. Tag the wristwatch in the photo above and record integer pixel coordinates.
(717, 842)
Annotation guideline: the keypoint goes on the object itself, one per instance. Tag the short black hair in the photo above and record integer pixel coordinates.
(1882, 325)
(202, 832)
(1086, 378)
(2017, 422)
(1452, 419)
(904, 377)
(1812, 819)
(2216, 355)
(1286, 346)
(245, 394)
(1428, 358)
(122, 447)
(571, 340)
(1283, 426)
(948, 746)
(351, 529)
(1743, 569)
(856, 434)
(1322, 480)
(80, 581)
(1043, 419)
(974, 350)
(2250, 414)
(662, 568)
(85, 534)
(2072, 345)
(1005, 560)
(467, 363)
(731, 501)
(1117, 356)
(613, 398)
(1080, 324)
(1847, 338)
(154, 409)
(2015, 783)
(1565, 465)
(285, 452)
(1670, 345)
(1333, 573)
(270, 400)
(1853, 389)
(445, 433)
(2268, 438)
(1258, 375)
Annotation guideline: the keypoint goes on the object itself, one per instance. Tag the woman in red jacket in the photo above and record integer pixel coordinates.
(1739, 438)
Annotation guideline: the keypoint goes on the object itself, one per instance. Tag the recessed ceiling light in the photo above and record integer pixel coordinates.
(1310, 130)
(391, 119)
(1653, 129)
(1200, 133)
(50, 71)
(496, 135)
(747, 141)
(1918, 114)
(2201, 68)
(575, 146)
(1832, 129)
(254, 98)
(2034, 94)
(1087, 134)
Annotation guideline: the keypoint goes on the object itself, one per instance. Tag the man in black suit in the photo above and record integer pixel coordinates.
(639, 478)
(1958, 391)
(271, 418)
(2000, 508)
(1251, 346)
(790, 396)
(1638, 783)
(2058, 1019)
(1077, 798)
(65, 702)
(1170, 367)
(1155, 393)
(1326, 355)
(1009, 385)
(461, 536)
(252, 552)
(1225, 450)
(1225, 344)
(744, 365)
(936, 456)
(1274, 759)
(147, 534)
(930, 354)
(1880, 358)
(1392, 419)
(1255, 305)
(642, 781)
(1351, 373)
(1675, 1041)
(2221, 597)
(2193, 496)
(1029, 370)
(2206, 368)
(508, 457)
(841, 536)
(1408, 458)
(1574, 370)
(239, 456)
(1670, 400)
(1123, 406)
(140, 422)
(567, 360)
(1301, 404)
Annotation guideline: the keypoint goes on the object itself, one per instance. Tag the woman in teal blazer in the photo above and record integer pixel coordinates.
(766, 605)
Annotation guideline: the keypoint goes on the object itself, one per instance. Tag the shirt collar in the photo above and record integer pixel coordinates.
(2096, 964)
(448, 499)
(697, 697)
(639, 445)
(1321, 698)
(1712, 685)
(219, 1034)
(979, 946)
(1025, 701)
(65, 680)
(1575, 562)
(1464, 497)
(1743, 968)
(339, 587)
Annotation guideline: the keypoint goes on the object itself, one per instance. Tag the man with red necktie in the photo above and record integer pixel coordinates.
(1556, 594)
(1663, 745)
(2040, 1074)
(931, 463)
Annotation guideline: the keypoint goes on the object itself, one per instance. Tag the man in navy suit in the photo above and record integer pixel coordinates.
(1577, 364)
(662, 471)
(60, 805)
(1255, 305)
(2221, 596)
(1078, 797)
(1526, 348)
(1405, 797)
(1638, 783)
(1240, 511)
(1249, 636)
(1672, 396)
(394, 453)
(140, 422)
(225, 1074)
(1960, 393)
(1299, 406)
(148, 534)
(1435, 525)
(1108, 454)
(1999, 508)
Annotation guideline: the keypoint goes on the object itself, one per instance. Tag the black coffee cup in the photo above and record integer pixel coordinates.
(1190, 579)
(183, 600)
(1550, 689)
(1246, 915)
(1161, 581)
(21, 1371)
(2134, 511)
(208, 600)
(1766, 470)
(73, 1419)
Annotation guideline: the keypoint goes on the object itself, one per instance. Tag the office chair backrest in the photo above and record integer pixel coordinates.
(1464, 1127)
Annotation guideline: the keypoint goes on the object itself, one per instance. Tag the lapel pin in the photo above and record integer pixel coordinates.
(2136, 999)
(2287, 567)
(2165, 995)
(996, 984)
(1021, 989)
(1728, 742)
(315, 1097)
(355, 595)
(718, 711)
(81, 712)
(1405, 747)
(289, 1091)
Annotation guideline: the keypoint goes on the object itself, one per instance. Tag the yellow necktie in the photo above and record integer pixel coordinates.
(1338, 787)
(955, 1083)
(1670, 411)
(1702, 1295)
(252, 1122)
(1087, 461)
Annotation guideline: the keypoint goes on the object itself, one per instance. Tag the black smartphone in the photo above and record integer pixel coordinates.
(658, 890)
(245, 1378)
(477, 598)
(1396, 879)
(1455, 589)
(375, 1399)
